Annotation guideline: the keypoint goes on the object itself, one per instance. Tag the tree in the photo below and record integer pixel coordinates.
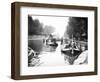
(77, 27)
(48, 30)
(34, 26)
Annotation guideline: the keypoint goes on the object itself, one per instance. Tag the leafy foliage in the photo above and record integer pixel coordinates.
(48, 30)
(37, 28)
(34, 26)
(77, 27)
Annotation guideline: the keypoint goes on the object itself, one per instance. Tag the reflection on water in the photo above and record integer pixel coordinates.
(48, 48)
(70, 59)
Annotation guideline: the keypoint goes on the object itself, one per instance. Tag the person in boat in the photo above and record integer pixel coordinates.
(48, 41)
(70, 48)
(74, 45)
(75, 50)
(65, 46)
(52, 41)
(83, 57)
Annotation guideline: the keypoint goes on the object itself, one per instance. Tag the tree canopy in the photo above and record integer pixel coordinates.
(34, 26)
(37, 28)
(48, 30)
(77, 27)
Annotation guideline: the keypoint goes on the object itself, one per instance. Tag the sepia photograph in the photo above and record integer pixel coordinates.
(57, 40)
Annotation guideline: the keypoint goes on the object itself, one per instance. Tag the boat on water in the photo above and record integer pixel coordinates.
(71, 52)
(52, 43)
(70, 49)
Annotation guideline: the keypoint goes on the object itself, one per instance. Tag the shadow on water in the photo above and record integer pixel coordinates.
(36, 45)
(68, 56)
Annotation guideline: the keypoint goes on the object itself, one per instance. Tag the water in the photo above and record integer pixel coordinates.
(49, 55)
(52, 57)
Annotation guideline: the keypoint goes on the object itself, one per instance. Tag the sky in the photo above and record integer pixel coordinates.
(58, 22)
